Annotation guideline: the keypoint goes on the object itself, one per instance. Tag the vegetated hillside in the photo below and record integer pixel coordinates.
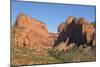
(33, 44)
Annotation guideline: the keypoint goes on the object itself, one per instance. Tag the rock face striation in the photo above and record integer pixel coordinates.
(30, 32)
(77, 31)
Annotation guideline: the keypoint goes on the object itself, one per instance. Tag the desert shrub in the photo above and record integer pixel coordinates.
(28, 56)
(75, 54)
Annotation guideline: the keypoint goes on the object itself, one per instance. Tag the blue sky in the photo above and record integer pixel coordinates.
(52, 14)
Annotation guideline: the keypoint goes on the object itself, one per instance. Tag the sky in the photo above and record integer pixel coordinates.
(52, 14)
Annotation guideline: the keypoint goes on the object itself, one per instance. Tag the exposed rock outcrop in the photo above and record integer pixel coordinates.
(30, 32)
(94, 24)
(61, 27)
(88, 30)
(77, 31)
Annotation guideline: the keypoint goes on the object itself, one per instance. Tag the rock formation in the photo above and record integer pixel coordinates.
(61, 27)
(93, 24)
(30, 32)
(77, 31)
(88, 30)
